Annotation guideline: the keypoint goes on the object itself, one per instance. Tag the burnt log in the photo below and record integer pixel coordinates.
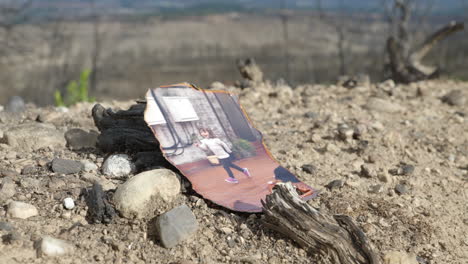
(126, 131)
(336, 238)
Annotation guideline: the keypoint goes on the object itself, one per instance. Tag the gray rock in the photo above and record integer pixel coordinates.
(335, 184)
(378, 188)
(407, 169)
(454, 98)
(15, 105)
(5, 226)
(32, 136)
(176, 225)
(21, 210)
(382, 105)
(139, 196)
(65, 166)
(309, 168)
(79, 139)
(11, 237)
(118, 165)
(7, 189)
(401, 189)
(52, 247)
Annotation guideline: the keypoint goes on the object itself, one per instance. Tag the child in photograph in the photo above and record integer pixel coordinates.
(222, 152)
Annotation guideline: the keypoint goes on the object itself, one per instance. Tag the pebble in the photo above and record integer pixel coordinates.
(335, 184)
(384, 177)
(68, 203)
(309, 168)
(226, 230)
(401, 189)
(65, 166)
(368, 171)
(21, 210)
(52, 247)
(454, 98)
(7, 189)
(139, 195)
(89, 166)
(176, 225)
(15, 104)
(80, 139)
(378, 188)
(118, 165)
(5, 226)
(407, 169)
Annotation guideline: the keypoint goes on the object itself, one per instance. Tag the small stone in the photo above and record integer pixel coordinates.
(368, 171)
(21, 210)
(226, 230)
(7, 189)
(89, 166)
(311, 115)
(454, 98)
(176, 225)
(79, 139)
(309, 168)
(139, 195)
(407, 169)
(384, 177)
(217, 86)
(68, 203)
(15, 105)
(64, 166)
(118, 165)
(315, 138)
(335, 184)
(378, 188)
(52, 247)
(401, 189)
(29, 170)
(5, 226)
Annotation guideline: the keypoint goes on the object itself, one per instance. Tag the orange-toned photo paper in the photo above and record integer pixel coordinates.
(209, 138)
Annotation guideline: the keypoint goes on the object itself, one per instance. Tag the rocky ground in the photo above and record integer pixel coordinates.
(394, 158)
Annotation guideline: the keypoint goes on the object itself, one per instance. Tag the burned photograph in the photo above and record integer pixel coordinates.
(209, 138)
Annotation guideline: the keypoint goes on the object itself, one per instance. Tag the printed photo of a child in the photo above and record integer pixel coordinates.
(208, 137)
(222, 151)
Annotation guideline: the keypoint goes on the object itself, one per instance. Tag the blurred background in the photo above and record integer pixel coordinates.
(124, 47)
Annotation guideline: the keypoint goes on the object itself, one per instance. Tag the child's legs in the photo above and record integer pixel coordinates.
(226, 163)
(232, 165)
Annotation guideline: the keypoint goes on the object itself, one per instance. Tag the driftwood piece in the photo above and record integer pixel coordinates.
(335, 237)
(411, 69)
(126, 131)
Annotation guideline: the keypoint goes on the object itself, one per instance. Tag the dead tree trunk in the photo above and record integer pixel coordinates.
(406, 66)
(336, 237)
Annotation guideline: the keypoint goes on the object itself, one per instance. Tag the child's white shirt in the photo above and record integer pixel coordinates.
(217, 146)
